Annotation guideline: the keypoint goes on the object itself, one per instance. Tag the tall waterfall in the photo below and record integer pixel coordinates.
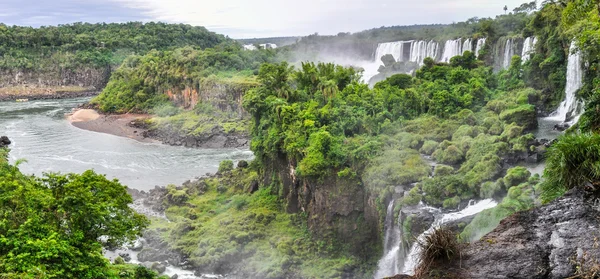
(508, 54)
(571, 108)
(419, 50)
(479, 47)
(451, 48)
(467, 46)
(396, 49)
(393, 254)
(412, 259)
(528, 48)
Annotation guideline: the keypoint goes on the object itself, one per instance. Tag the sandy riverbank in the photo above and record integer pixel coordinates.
(118, 125)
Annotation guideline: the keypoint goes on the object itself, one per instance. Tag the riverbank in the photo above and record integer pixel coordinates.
(13, 93)
(118, 124)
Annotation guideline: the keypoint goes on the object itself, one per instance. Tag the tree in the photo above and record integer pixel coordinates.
(505, 9)
(526, 8)
(55, 226)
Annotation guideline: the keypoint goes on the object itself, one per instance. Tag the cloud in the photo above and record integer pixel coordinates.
(256, 18)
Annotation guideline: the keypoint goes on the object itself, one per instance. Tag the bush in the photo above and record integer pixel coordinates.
(428, 147)
(516, 176)
(524, 115)
(572, 162)
(413, 197)
(443, 170)
(165, 110)
(225, 166)
(450, 155)
(491, 189)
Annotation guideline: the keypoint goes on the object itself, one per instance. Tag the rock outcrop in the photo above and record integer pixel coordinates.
(4, 141)
(552, 241)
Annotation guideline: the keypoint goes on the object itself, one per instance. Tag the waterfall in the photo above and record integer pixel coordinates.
(392, 259)
(508, 53)
(467, 46)
(412, 259)
(528, 48)
(451, 48)
(571, 108)
(419, 50)
(396, 49)
(479, 47)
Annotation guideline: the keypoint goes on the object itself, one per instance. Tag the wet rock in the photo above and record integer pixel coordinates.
(242, 164)
(125, 256)
(416, 221)
(158, 267)
(457, 226)
(175, 276)
(533, 159)
(561, 127)
(546, 242)
(4, 141)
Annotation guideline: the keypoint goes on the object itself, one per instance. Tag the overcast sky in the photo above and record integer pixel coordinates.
(254, 18)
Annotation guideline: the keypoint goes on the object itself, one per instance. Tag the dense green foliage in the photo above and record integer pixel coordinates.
(572, 162)
(222, 227)
(55, 226)
(519, 198)
(325, 122)
(94, 45)
(142, 82)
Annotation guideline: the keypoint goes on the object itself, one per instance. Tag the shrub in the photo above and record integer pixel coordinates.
(413, 197)
(516, 176)
(439, 246)
(225, 166)
(450, 155)
(428, 147)
(572, 162)
(491, 189)
(443, 170)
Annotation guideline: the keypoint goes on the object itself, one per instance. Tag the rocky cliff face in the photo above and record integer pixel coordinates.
(95, 78)
(223, 95)
(337, 208)
(552, 241)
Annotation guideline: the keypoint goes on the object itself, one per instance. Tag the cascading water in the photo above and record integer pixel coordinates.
(419, 50)
(396, 49)
(528, 48)
(393, 252)
(480, 45)
(571, 108)
(467, 46)
(508, 54)
(451, 48)
(412, 258)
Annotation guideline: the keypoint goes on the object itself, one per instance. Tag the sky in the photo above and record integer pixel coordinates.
(254, 18)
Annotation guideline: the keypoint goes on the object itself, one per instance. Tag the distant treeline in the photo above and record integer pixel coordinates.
(85, 44)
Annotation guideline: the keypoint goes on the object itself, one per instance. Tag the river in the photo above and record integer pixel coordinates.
(42, 136)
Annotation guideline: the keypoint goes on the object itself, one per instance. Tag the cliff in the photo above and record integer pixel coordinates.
(212, 116)
(557, 240)
(339, 209)
(94, 78)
